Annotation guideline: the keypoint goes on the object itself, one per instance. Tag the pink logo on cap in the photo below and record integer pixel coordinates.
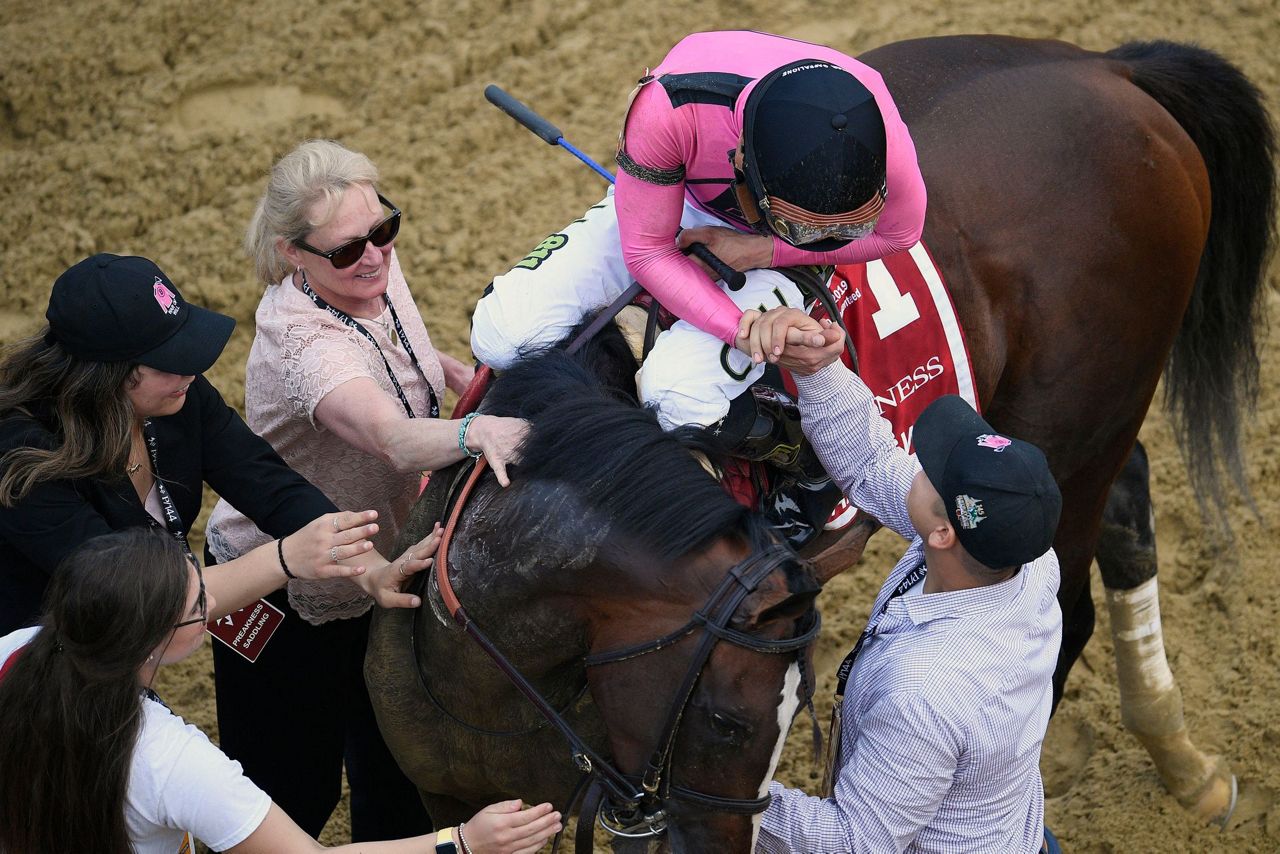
(995, 443)
(167, 299)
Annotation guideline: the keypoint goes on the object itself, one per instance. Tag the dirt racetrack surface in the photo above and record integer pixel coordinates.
(148, 128)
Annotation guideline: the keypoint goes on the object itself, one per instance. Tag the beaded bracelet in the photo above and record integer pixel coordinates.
(466, 849)
(462, 436)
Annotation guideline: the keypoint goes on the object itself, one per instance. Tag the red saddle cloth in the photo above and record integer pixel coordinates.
(910, 346)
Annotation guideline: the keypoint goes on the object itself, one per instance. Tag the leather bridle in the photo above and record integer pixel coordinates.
(631, 805)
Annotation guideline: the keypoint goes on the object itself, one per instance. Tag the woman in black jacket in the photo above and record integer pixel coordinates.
(106, 423)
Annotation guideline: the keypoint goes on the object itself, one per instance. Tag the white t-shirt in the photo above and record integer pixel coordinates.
(178, 781)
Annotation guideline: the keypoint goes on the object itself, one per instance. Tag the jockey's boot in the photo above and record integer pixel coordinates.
(798, 510)
(763, 425)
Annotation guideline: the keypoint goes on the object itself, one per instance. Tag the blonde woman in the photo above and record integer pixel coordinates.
(343, 381)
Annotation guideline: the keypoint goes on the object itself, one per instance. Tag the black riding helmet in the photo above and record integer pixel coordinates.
(813, 138)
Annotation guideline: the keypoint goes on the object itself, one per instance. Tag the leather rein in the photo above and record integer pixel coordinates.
(635, 806)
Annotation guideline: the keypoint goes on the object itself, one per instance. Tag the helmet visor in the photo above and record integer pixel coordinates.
(800, 227)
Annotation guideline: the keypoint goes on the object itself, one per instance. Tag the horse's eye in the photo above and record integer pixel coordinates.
(730, 728)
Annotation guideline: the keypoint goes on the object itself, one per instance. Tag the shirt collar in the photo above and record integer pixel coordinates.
(951, 603)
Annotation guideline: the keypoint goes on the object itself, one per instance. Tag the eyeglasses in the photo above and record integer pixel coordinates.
(201, 602)
(352, 251)
(798, 226)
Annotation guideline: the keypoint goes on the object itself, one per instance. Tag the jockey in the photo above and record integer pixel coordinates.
(774, 152)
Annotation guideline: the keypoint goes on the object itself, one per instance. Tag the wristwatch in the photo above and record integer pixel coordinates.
(445, 843)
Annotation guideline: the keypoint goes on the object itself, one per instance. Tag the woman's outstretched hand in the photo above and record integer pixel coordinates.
(314, 551)
(509, 827)
(499, 440)
(386, 583)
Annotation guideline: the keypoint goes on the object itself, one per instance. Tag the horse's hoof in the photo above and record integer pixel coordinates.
(1217, 801)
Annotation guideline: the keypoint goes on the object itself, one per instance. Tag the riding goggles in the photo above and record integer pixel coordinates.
(352, 251)
(798, 226)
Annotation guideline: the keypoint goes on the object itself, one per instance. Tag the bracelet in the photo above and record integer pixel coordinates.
(280, 552)
(462, 436)
(466, 849)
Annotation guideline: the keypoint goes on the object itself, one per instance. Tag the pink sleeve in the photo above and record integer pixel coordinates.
(649, 218)
(901, 222)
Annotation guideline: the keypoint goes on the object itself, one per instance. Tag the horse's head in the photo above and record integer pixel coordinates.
(697, 621)
(699, 692)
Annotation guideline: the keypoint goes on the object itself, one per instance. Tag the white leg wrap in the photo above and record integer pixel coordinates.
(1151, 706)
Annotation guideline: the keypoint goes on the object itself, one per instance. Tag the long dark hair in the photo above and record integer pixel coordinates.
(88, 401)
(70, 710)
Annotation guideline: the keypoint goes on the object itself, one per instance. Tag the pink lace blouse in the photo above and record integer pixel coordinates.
(301, 353)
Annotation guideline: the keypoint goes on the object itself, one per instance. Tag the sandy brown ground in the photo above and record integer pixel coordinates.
(147, 128)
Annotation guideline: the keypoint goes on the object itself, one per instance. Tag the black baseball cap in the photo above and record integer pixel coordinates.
(109, 308)
(813, 136)
(998, 490)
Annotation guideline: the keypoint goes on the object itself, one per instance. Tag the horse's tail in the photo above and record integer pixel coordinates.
(1212, 376)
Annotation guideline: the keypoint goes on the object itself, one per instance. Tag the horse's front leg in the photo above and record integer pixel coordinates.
(1150, 700)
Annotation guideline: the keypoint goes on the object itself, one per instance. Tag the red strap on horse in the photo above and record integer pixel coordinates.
(466, 404)
(9, 662)
(471, 398)
(442, 553)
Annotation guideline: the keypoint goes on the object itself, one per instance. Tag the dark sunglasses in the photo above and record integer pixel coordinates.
(353, 250)
(201, 602)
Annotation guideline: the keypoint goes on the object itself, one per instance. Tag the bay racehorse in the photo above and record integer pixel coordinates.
(616, 548)
(1100, 218)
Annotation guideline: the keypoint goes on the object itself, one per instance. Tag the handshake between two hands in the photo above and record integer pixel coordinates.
(789, 338)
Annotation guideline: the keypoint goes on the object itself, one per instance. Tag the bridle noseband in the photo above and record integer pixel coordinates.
(628, 805)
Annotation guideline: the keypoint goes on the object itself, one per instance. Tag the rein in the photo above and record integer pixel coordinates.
(584, 758)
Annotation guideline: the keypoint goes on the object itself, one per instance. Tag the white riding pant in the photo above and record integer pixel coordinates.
(690, 376)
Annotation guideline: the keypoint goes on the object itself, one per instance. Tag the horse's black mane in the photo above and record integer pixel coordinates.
(593, 435)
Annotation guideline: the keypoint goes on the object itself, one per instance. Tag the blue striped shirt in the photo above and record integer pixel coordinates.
(946, 707)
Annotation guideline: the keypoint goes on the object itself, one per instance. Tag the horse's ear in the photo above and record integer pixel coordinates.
(793, 607)
(846, 550)
(789, 601)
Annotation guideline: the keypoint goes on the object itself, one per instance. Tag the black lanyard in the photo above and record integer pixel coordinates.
(172, 519)
(911, 579)
(404, 339)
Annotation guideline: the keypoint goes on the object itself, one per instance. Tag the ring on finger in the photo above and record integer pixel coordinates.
(400, 569)
(335, 524)
(333, 554)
